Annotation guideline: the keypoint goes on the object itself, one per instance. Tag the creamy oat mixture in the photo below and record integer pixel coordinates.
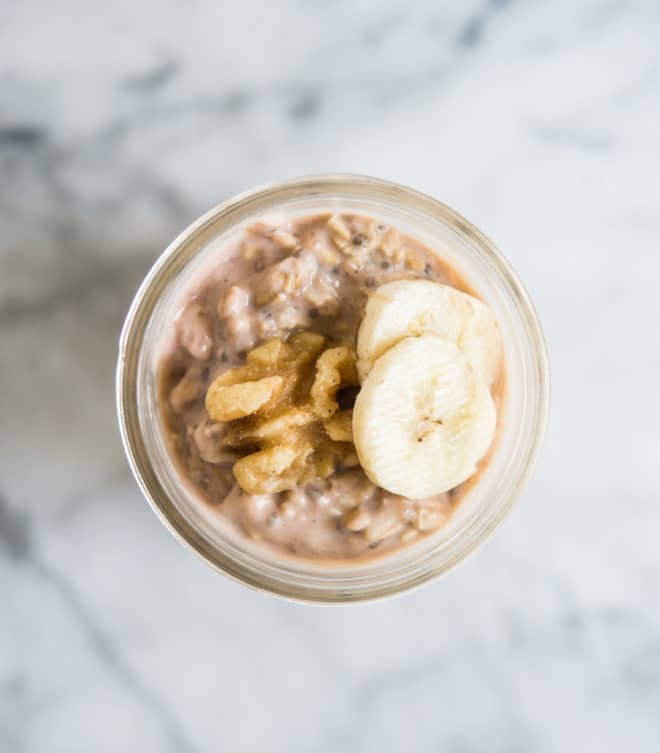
(308, 278)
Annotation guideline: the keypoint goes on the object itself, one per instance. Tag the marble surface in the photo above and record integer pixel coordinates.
(119, 124)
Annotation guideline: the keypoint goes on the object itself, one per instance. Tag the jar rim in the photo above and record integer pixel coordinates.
(225, 216)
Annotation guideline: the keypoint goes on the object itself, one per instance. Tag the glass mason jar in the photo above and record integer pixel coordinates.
(480, 511)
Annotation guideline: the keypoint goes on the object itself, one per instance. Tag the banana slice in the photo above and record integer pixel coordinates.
(412, 307)
(422, 419)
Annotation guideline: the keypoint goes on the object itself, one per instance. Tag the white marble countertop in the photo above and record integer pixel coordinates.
(540, 121)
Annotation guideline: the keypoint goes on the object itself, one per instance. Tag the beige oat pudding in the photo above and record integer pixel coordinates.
(260, 379)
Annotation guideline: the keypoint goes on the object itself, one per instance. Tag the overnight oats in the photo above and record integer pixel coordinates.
(317, 395)
(331, 385)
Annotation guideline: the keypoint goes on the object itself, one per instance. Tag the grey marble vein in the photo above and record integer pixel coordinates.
(475, 26)
(107, 652)
(14, 531)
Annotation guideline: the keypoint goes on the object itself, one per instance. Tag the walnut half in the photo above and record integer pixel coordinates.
(282, 413)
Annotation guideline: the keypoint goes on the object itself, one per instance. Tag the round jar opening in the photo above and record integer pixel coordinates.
(481, 508)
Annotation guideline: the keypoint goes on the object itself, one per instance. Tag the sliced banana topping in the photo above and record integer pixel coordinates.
(408, 308)
(423, 419)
